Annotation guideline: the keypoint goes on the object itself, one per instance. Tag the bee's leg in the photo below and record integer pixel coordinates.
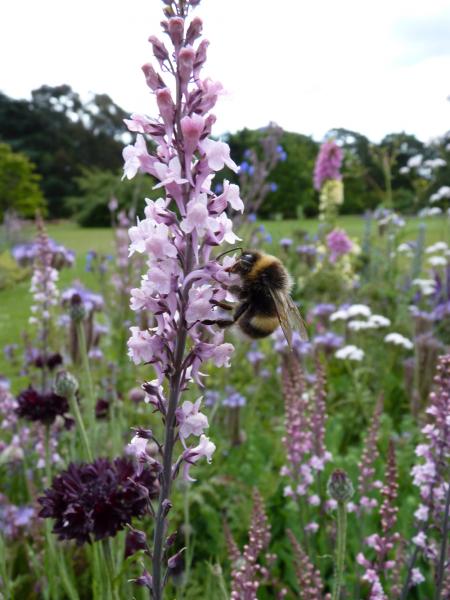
(224, 305)
(223, 323)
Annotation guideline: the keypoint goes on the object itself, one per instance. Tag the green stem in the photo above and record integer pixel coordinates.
(110, 569)
(87, 372)
(75, 409)
(340, 549)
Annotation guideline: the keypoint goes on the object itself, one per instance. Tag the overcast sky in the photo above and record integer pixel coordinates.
(374, 67)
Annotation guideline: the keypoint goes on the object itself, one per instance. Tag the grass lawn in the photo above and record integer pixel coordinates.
(15, 301)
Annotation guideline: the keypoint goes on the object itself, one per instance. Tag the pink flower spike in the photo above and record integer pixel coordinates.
(218, 155)
(167, 174)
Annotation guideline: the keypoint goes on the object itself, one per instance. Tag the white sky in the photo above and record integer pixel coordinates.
(374, 67)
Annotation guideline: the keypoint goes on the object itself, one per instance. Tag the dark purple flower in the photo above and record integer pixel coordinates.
(136, 540)
(102, 409)
(96, 500)
(328, 164)
(51, 361)
(35, 406)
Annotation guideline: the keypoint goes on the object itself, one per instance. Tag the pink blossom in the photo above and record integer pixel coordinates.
(416, 577)
(338, 244)
(166, 109)
(205, 449)
(200, 307)
(224, 232)
(312, 527)
(140, 346)
(218, 155)
(211, 90)
(138, 123)
(420, 539)
(192, 128)
(191, 421)
(167, 174)
(197, 216)
(231, 195)
(138, 447)
(136, 158)
(222, 354)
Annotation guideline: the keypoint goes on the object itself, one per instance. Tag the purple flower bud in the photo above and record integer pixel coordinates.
(175, 29)
(153, 79)
(135, 540)
(159, 50)
(194, 30)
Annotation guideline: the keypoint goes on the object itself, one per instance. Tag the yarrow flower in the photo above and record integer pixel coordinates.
(93, 501)
(399, 340)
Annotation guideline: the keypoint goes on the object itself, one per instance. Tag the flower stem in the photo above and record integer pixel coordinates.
(340, 549)
(169, 441)
(87, 372)
(75, 409)
(110, 568)
(443, 555)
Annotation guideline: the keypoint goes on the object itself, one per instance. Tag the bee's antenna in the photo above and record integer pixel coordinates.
(228, 251)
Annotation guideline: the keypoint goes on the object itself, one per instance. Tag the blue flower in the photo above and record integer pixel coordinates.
(273, 187)
(218, 189)
(243, 167)
(251, 217)
(251, 170)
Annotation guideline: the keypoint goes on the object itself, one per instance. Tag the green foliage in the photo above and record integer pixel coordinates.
(292, 176)
(96, 188)
(19, 184)
(62, 135)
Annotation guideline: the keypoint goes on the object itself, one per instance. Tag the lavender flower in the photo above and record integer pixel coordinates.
(247, 573)
(369, 455)
(308, 576)
(182, 286)
(95, 501)
(431, 475)
(382, 567)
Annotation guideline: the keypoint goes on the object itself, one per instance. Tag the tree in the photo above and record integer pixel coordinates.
(19, 184)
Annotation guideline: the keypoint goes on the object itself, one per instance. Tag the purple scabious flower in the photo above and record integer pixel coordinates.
(338, 244)
(324, 309)
(328, 341)
(43, 407)
(93, 501)
(25, 254)
(233, 398)
(91, 301)
(328, 164)
(285, 243)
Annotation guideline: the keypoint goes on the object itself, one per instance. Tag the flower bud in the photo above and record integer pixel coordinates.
(340, 487)
(152, 78)
(77, 310)
(66, 384)
(194, 30)
(185, 65)
(175, 29)
(159, 50)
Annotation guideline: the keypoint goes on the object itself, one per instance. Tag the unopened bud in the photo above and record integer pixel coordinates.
(175, 29)
(194, 30)
(66, 384)
(176, 562)
(77, 310)
(340, 487)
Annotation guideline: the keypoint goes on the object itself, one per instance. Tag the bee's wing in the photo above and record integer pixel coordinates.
(288, 315)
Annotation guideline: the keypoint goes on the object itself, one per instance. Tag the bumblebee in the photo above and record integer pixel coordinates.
(264, 298)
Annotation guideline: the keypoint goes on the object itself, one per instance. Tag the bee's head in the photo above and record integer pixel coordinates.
(244, 263)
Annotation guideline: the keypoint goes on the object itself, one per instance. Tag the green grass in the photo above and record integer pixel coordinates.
(15, 302)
